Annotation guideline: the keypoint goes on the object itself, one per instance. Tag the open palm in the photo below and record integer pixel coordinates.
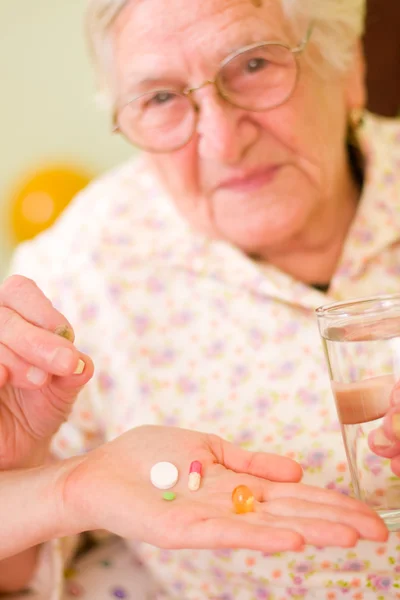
(111, 489)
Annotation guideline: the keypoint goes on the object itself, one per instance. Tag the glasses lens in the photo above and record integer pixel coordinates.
(160, 121)
(259, 78)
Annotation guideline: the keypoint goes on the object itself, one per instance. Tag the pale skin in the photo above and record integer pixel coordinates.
(109, 487)
(297, 221)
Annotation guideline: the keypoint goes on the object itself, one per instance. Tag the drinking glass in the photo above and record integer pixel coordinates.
(361, 340)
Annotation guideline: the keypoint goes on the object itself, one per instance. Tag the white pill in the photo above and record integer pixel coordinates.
(164, 475)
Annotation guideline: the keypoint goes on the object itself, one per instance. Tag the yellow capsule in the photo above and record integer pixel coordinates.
(243, 500)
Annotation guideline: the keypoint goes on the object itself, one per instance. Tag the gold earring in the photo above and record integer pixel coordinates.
(356, 118)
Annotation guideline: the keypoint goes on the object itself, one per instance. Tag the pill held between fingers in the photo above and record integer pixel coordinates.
(80, 368)
(65, 332)
(164, 475)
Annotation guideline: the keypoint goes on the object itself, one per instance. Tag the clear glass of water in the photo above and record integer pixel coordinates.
(361, 340)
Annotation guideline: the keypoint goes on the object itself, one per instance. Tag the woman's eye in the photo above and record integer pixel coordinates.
(161, 98)
(256, 64)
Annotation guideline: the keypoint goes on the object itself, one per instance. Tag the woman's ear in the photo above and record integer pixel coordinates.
(356, 90)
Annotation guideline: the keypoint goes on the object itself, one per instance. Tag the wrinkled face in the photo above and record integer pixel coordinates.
(260, 180)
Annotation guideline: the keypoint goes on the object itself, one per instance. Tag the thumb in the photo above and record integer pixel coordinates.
(259, 464)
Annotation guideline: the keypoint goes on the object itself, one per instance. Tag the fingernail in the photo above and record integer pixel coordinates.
(36, 376)
(80, 368)
(396, 426)
(65, 332)
(63, 359)
(381, 440)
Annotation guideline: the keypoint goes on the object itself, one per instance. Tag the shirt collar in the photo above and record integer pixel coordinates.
(377, 222)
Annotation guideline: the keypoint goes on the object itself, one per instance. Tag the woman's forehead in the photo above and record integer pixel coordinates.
(150, 38)
(186, 43)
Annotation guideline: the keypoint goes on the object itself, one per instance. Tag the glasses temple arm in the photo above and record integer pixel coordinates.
(305, 41)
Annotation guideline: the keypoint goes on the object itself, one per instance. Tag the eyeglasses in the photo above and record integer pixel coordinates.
(256, 78)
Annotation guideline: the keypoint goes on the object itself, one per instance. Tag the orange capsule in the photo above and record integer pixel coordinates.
(243, 500)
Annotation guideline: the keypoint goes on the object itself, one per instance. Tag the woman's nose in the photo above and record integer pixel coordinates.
(225, 132)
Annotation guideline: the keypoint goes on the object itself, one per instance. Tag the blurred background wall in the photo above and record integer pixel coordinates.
(47, 110)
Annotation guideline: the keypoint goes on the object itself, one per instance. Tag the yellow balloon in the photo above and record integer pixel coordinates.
(42, 197)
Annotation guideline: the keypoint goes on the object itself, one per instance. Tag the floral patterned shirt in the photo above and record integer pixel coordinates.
(191, 332)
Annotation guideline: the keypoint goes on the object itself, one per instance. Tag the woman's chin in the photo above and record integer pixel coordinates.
(263, 234)
(267, 219)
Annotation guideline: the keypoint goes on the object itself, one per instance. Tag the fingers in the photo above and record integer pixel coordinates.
(385, 440)
(36, 341)
(336, 518)
(20, 373)
(233, 532)
(23, 296)
(318, 532)
(259, 464)
(38, 347)
(381, 444)
(276, 491)
(23, 375)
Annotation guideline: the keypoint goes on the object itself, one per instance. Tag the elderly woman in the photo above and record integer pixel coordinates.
(191, 276)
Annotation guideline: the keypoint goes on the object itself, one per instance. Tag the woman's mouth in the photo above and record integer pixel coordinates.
(250, 181)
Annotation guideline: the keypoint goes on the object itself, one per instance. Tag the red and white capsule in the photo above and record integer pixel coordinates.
(195, 473)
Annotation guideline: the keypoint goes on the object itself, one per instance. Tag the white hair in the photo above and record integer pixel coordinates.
(338, 25)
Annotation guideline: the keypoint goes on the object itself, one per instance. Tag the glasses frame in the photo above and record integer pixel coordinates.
(189, 91)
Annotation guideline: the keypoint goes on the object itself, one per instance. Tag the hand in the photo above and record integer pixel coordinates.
(385, 441)
(37, 382)
(110, 489)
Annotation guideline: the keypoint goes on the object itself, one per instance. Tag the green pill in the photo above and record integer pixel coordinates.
(169, 496)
